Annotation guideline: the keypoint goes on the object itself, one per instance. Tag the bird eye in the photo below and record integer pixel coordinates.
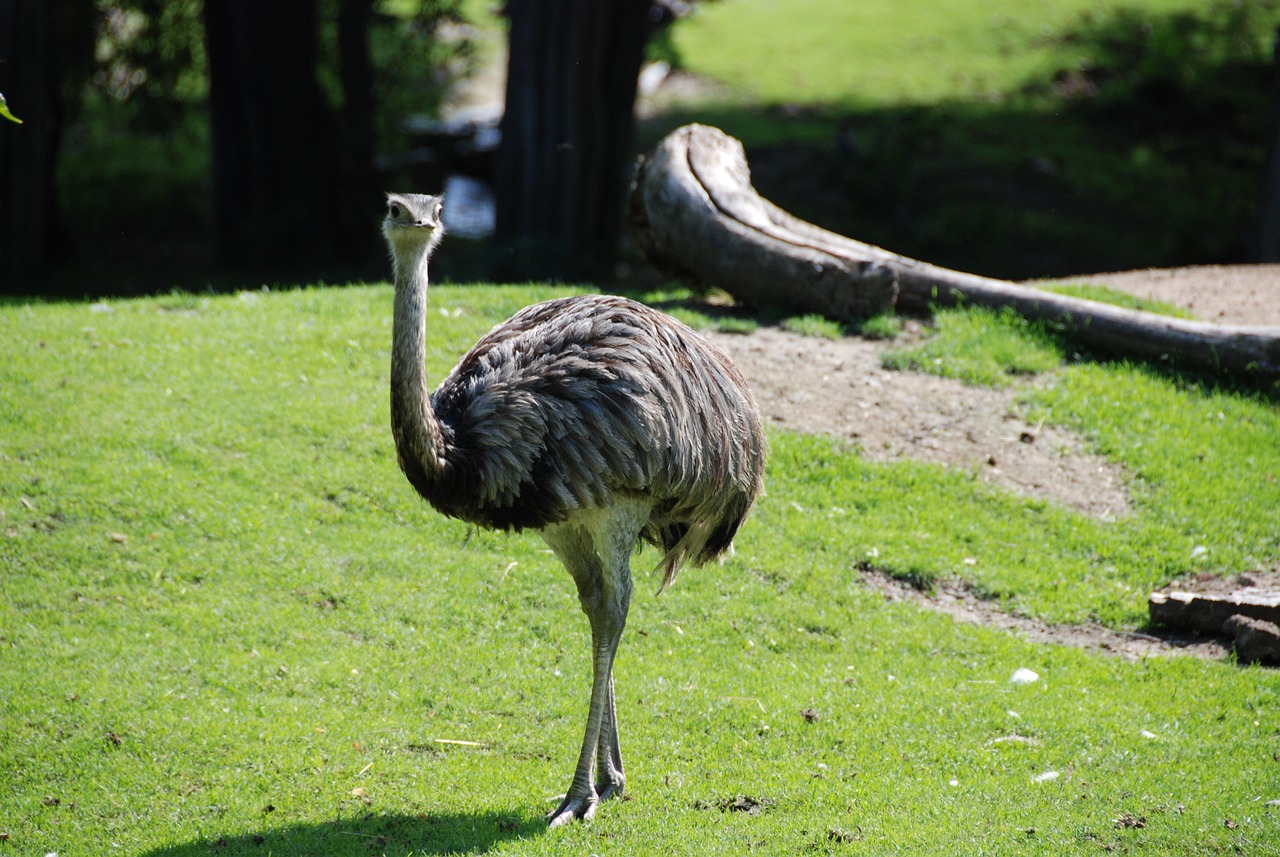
(394, 210)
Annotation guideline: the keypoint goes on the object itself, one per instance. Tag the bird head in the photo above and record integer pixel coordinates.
(413, 219)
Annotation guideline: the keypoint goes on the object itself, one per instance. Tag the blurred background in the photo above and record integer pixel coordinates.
(181, 144)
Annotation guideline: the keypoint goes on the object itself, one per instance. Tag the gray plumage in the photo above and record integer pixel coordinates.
(596, 421)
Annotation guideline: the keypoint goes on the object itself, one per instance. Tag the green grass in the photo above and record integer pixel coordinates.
(885, 325)
(981, 347)
(228, 626)
(813, 325)
(886, 53)
(1106, 294)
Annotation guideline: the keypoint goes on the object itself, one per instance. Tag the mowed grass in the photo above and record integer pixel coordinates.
(228, 626)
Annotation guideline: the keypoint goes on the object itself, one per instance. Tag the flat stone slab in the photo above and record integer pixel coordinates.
(1208, 612)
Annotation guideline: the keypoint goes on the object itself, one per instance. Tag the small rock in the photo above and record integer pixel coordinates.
(1024, 676)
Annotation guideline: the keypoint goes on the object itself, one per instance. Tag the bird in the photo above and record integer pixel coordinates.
(594, 420)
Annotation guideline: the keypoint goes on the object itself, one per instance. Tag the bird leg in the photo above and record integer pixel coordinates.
(600, 565)
(609, 775)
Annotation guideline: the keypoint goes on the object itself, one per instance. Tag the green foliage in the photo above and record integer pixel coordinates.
(736, 324)
(228, 625)
(151, 52)
(418, 49)
(4, 111)
(114, 178)
(691, 317)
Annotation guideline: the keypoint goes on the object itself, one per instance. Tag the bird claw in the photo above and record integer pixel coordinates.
(572, 808)
(606, 790)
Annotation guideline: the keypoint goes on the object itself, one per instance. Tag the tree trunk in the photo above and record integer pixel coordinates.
(567, 133)
(43, 47)
(694, 213)
(281, 197)
(1268, 239)
(363, 204)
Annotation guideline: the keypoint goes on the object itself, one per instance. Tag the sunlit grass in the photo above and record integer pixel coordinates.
(881, 52)
(981, 347)
(1115, 297)
(228, 625)
(813, 325)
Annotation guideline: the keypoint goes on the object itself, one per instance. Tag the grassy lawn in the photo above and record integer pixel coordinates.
(880, 52)
(228, 626)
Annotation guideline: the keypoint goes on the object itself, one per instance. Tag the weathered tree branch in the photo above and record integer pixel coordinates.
(694, 214)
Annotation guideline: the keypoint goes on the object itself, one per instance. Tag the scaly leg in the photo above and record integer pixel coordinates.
(610, 778)
(581, 799)
(599, 560)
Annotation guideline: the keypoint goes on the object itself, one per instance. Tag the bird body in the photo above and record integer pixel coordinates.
(594, 420)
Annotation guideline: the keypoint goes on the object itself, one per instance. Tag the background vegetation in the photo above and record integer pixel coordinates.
(1008, 138)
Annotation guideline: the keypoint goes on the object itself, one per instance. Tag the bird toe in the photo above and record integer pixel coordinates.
(573, 808)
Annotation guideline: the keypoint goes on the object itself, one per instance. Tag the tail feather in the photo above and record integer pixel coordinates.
(692, 544)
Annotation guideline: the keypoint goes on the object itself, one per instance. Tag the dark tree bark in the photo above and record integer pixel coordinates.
(695, 214)
(283, 196)
(567, 133)
(45, 51)
(1268, 239)
(356, 126)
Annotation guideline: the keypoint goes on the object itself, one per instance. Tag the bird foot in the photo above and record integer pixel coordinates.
(572, 808)
(607, 789)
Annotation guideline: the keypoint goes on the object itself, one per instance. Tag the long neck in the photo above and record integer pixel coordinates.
(419, 442)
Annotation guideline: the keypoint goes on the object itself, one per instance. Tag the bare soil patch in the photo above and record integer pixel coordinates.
(839, 388)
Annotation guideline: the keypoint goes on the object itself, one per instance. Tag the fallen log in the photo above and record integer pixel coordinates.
(694, 213)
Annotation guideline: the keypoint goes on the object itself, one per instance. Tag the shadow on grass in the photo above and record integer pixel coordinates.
(1010, 191)
(461, 833)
